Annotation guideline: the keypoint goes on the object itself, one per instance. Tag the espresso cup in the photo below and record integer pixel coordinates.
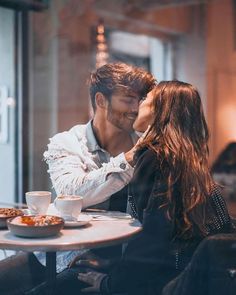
(38, 201)
(69, 206)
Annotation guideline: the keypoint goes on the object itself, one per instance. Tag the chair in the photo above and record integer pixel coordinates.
(211, 271)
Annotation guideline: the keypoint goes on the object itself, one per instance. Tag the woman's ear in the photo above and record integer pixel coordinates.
(100, 100)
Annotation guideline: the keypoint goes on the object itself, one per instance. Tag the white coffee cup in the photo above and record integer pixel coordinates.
(69, 206)
(38, 201)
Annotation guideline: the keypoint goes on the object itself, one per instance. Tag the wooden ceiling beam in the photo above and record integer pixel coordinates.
(162, 4)
(170, 21)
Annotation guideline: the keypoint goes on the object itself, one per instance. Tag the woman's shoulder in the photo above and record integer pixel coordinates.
(146, 157)
(146, 162)
(146, 153)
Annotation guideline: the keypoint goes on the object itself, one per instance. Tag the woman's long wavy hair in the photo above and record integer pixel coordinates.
(179, 136)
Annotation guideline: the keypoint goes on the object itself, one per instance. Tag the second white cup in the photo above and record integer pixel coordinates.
(38, 201)
(69, 206)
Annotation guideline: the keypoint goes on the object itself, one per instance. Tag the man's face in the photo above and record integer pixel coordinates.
(123, 110)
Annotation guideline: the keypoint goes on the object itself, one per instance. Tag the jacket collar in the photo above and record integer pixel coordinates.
(91, 139)
(92, 143)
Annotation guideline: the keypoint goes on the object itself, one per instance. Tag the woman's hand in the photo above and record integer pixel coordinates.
(92, 278)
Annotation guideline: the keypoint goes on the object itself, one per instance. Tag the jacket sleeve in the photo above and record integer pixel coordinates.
(142, 185)
(74, 171)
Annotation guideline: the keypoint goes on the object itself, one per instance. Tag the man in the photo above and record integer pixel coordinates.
(92, 160)
(95, 160)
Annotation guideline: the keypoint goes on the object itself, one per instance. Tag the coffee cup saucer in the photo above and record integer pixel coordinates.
(83, 219)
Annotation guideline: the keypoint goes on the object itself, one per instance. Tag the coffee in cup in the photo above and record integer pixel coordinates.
(69, 206)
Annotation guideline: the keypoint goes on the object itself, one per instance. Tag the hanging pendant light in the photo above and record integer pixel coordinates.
(102, 49)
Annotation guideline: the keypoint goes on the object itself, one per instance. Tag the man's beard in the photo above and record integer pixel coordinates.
(120, 120)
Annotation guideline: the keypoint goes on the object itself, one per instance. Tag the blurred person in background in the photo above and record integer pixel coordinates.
(224, 173)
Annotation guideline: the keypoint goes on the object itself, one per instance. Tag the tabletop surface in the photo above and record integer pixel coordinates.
(108, 230)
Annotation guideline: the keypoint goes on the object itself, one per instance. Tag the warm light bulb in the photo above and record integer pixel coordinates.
(101, 54)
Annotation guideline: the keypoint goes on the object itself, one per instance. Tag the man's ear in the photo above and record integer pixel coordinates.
(100, 100)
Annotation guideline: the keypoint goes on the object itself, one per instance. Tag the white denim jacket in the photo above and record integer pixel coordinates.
(78, 165)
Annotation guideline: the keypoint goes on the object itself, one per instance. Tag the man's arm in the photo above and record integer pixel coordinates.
(77, 173)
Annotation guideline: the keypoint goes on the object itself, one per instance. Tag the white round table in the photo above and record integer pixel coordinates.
(108, 230)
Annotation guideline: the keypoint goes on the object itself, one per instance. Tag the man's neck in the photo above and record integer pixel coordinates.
(111, 138)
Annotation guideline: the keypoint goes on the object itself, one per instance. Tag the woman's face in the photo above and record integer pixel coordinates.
(145, 113)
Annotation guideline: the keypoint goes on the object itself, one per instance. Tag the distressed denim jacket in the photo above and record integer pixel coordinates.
(78, 165)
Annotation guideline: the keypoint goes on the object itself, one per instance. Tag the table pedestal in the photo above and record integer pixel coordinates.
(50, 271)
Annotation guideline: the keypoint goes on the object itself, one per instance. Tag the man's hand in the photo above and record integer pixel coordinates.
(92, 278)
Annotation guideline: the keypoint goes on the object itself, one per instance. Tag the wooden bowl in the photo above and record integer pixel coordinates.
(35, 226)
(6, 213)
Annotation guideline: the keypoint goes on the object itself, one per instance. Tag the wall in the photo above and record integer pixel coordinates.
(7, 78)
(221, 73)
(190, 54)
(60, 62)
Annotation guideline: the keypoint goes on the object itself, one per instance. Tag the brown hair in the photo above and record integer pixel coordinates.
(179, 136)
(113, 77)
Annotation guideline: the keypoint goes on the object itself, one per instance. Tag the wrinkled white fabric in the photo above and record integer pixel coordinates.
(78, 165)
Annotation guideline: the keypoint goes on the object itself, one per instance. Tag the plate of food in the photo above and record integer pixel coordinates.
(35, 226)
(6, 213)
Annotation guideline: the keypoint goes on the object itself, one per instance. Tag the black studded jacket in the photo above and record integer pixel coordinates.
(154, 257)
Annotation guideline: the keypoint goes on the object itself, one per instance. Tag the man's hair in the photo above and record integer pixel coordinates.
(115, 77)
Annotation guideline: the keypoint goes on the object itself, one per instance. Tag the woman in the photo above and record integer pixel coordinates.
(173, 193)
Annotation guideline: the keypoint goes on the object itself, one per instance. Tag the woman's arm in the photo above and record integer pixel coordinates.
(144, 256)
(142, 184)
